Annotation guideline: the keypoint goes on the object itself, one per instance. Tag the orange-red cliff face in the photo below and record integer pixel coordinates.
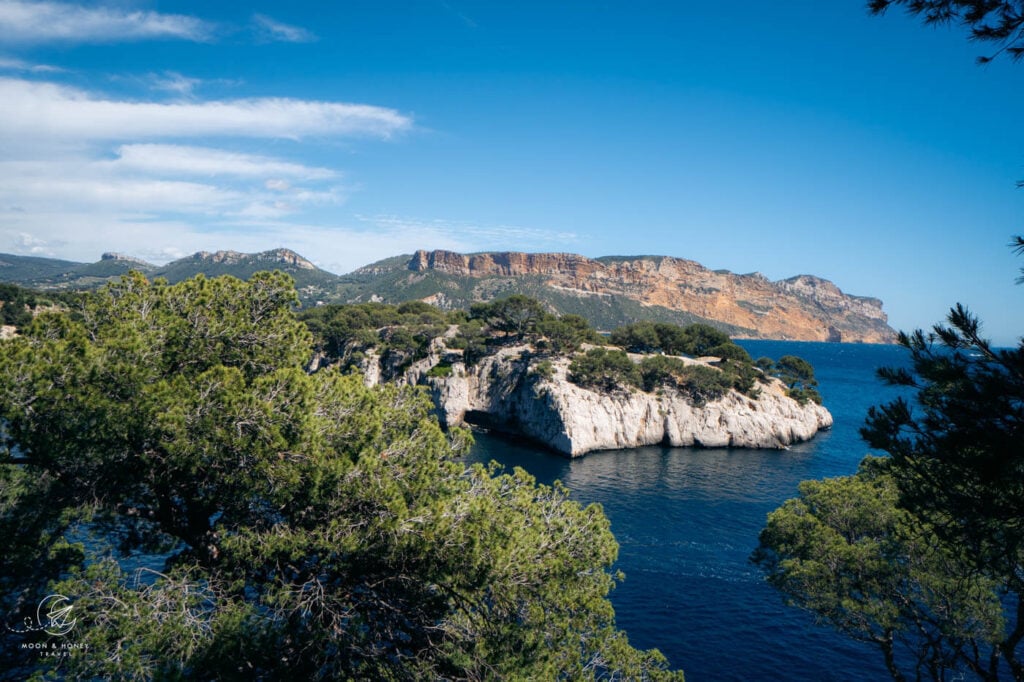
(803, 308)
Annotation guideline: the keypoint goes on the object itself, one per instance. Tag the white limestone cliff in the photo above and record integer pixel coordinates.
(505, 391)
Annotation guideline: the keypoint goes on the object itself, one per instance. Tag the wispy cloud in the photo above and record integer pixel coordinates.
(61, 112)
(271, 30)
(43, 22)
(14, 64)
(472, 236)
(39, 186)
(462, 17)
(174, 83)
(186, 160)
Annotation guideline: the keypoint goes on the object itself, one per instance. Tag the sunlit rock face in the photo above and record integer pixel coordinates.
(802, 308)
(505, 392)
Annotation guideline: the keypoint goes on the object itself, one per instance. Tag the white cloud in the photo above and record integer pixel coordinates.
(226, 189)
(39, 187)
(14, 64)
(186, 160)
(175, 83)
(31, 245)
(41, 22)
(273, 30)
(49, 110)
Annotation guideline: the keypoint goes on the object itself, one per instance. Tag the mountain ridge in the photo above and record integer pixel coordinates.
(609, 291)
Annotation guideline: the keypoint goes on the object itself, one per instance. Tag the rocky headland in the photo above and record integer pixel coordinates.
(508, 391)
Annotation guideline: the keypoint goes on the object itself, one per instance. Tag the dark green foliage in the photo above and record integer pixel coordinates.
(640, 337)
(845, 550)
(516, 315)
(471, 339)
(440, 370)
(705, 384)
(743, 376)
(604, 369)
(16, 305)
(696, 340)
(543, 369)
(701, 339)
(334, 326)
(730, 351)
(524, 319)
(315, 528)
(958, 461)
(798, 375)
(661, 370)
(945, 577)
(701, 383)
(998, 21)
(564, 335)
(400, 334)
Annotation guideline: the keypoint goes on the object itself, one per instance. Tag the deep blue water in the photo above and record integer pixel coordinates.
(688, 519)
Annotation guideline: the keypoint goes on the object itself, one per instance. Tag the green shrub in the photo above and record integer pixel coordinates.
(696, 340)
(743, 375)
(704, 384)
(661, 370)
(731, 351)
(604, 369)
(562, 335)
(543, 369)
(441, 370)
(798, 375)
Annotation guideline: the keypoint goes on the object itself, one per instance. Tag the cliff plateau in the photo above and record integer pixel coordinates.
(802, 308)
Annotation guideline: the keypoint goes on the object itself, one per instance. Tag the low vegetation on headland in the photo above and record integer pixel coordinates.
(696, 359)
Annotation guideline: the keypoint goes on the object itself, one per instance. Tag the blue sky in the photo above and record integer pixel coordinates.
(784, 138)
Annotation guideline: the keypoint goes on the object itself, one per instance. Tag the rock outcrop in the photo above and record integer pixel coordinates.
(121, 258)
(270, 258)
(506, 392)
(802, 308)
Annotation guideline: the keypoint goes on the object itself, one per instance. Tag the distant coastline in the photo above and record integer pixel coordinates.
(608, 291)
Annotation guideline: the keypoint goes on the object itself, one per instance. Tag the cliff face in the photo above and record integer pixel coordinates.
(504, 392)
(803, 308)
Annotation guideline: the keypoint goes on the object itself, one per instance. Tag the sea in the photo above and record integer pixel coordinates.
(687, 520)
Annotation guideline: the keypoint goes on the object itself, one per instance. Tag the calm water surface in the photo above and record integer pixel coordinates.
(687, 521)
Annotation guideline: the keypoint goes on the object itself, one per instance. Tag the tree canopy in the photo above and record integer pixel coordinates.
(845, 550)
(958, 462)
(996, 21)
(926, 546)
(290, 525)
(923, 551)
(694, 339)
